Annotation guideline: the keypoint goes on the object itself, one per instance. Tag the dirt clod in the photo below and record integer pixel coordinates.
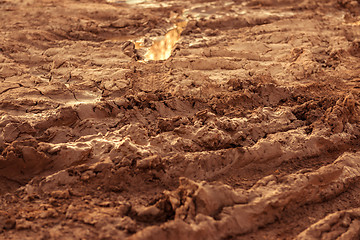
(192, 119)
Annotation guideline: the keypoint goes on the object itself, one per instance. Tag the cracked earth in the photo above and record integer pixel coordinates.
(191, 119)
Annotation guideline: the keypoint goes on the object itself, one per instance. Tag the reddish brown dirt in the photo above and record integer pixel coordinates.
(249, 130)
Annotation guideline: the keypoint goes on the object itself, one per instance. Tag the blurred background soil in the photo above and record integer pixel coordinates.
(191, 119)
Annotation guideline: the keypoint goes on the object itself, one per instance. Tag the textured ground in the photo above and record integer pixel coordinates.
(249, 130)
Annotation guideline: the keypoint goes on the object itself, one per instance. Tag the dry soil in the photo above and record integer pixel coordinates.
(179, 119)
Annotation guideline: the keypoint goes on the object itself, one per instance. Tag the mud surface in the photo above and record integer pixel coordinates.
(187, 119)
